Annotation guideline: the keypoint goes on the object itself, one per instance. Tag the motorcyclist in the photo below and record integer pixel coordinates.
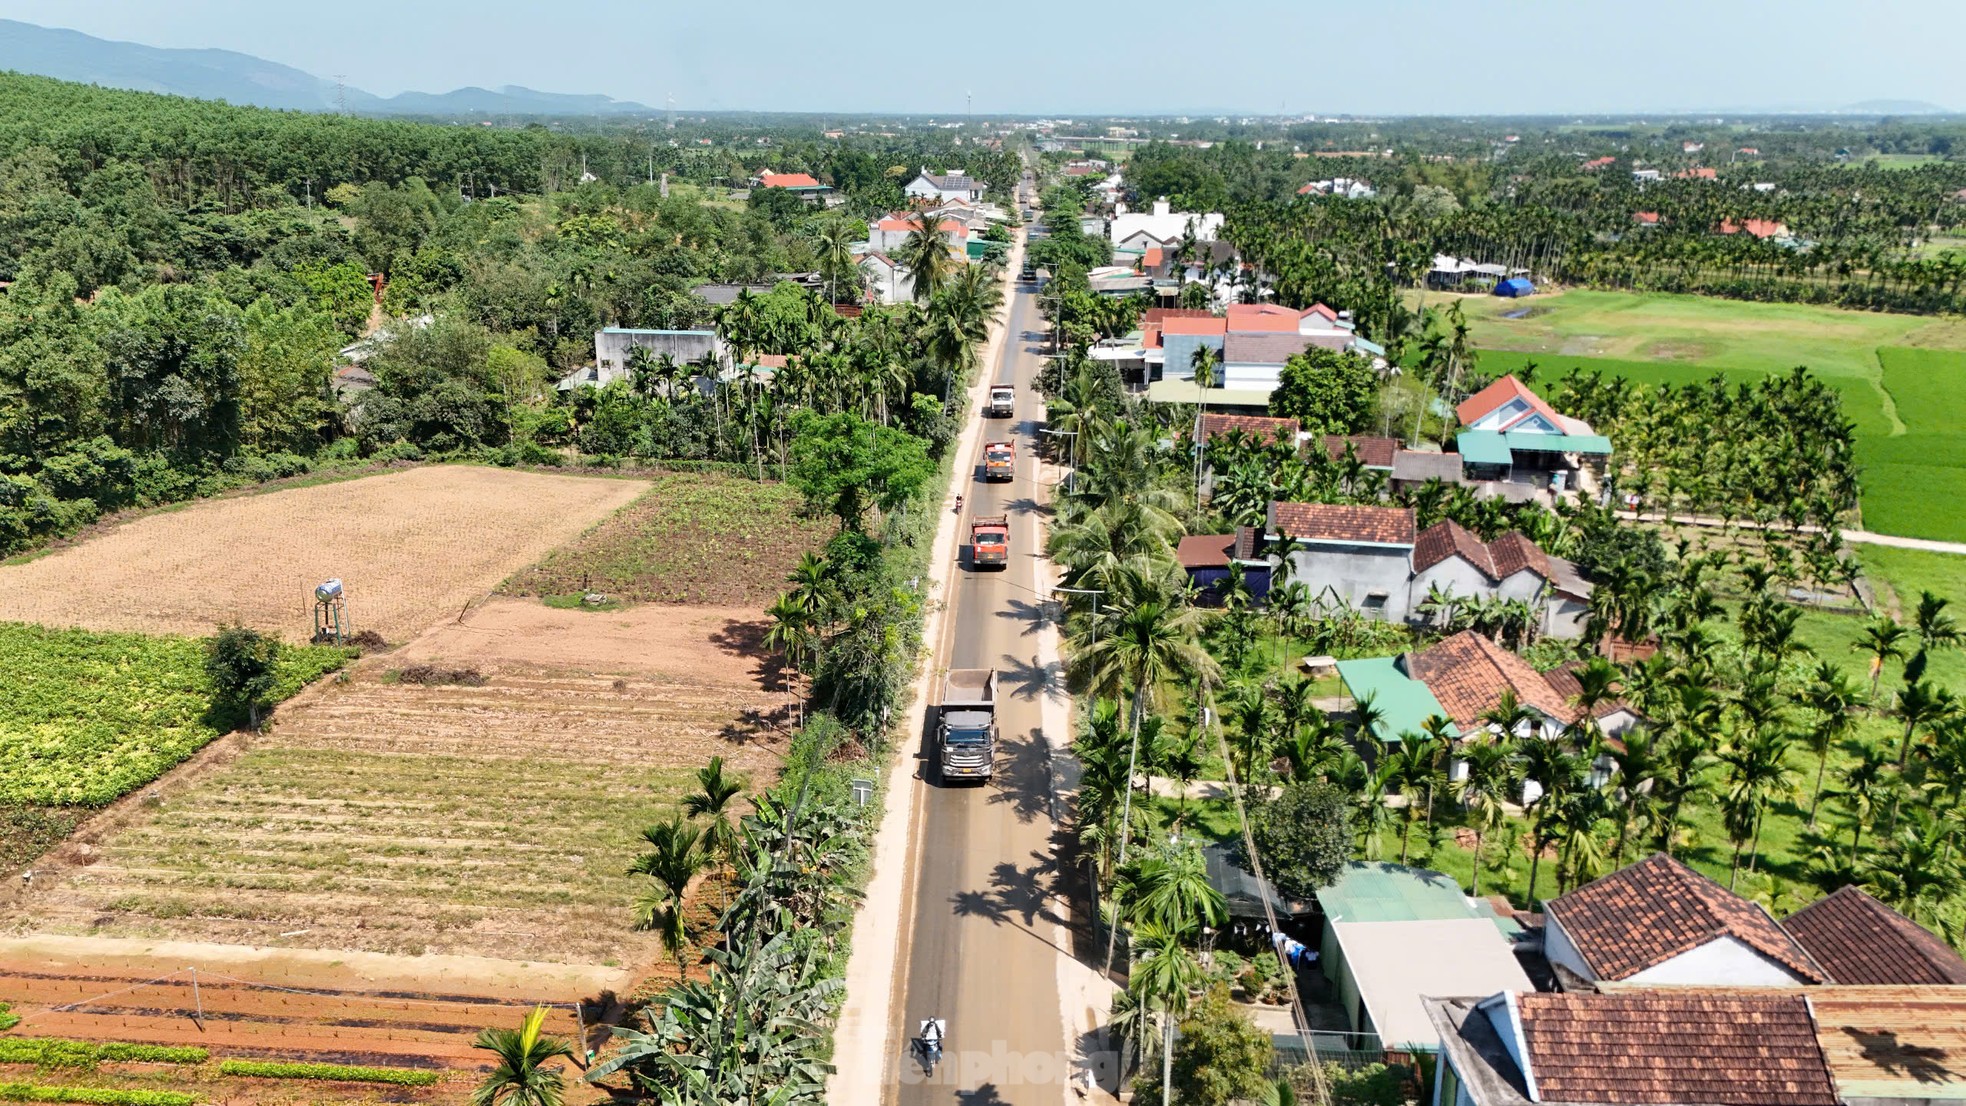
(932, 1030)
(959, 503)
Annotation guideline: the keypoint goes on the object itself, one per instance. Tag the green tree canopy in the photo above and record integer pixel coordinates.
(1304, 836)
(843, 464)
(1328, 392)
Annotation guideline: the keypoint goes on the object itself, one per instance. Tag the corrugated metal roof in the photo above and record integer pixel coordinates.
(1379, 891)
(1483, 447)
(1405, 703)
(1595, 444)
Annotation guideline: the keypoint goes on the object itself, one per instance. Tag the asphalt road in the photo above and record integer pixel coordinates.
(980, 951)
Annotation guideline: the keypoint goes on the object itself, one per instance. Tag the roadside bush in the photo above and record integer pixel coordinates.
(8, 1020)
(346, 1073)
(104, 1096)
(56, 1052)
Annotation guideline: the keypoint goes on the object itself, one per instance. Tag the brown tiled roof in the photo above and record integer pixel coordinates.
(1860, 940)
(1657, 909)
(1415, 465)
(1468, 673)
(1372, 452)
(1511, 553)
(1161, 314)
(1630, 1048)
(1564, 679)
(1498, 560)
(1263, 349)
(1205, 550)
(1259, 427)
(1332, 522)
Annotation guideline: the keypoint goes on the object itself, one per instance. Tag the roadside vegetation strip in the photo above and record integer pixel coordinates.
(345, 1073)
(57, 1052)
(89, 717)
(8, 1019)
(101, 1096)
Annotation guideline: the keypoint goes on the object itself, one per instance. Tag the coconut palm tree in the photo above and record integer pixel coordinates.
(927, 255)
(521, 1077)
(832, 248)
(1488, 782)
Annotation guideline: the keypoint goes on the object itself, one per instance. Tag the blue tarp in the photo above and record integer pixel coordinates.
(1515, 286)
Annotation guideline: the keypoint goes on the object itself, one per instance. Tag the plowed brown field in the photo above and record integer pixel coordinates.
(490, 821)
(412, 547)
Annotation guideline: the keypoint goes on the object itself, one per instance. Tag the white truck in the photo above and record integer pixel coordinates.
(1003, 401)
(967, 736)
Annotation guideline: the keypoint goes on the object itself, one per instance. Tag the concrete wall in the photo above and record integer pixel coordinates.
(1564, 617)
(1350, 573)
(1559, 949)
(1453, 575)
(1723, 962)
(1251, 376)
(686, 346)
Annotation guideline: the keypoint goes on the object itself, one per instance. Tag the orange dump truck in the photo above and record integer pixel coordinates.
(989, 541)
(999, 460)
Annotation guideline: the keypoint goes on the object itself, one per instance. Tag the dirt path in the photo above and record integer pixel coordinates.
(1860, 537)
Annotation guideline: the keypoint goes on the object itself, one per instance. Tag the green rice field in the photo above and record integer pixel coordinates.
(1902, 377)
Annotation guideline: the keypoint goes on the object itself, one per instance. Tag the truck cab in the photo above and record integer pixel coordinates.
(999, 460)
(967, 737)
(989, 541)
(1003, 401)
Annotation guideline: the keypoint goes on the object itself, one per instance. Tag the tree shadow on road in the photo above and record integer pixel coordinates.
(985, 1095)
(1035, 616)
(1023, 777)
(1021, 896)
(1029, 679)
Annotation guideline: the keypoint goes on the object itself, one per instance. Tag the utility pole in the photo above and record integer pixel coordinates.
(341, 93)
(670, 104)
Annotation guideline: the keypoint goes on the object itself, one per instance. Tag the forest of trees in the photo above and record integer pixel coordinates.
(183, 274)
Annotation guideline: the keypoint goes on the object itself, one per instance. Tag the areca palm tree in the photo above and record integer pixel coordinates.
(714, 799)
(675, 857)
(1488, 781)
(521, 1077)
(1636, 765)
(1921, 707)
(1556, 772)
(1882, 639)
(833, 252)
(1831, 694)
(1918, 870)
(1757, 772)
(1410, 772)
(1170, 889)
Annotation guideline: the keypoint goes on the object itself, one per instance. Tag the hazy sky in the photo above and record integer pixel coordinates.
(1065, 56)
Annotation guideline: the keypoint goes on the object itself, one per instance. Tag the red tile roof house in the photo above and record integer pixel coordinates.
(1659, 922)
(1450, 557)
(1358, 557)
(1630, 1048)
(1862, 942)
(1206, 559)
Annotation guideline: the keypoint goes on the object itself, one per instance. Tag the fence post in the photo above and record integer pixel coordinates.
(197, 1000)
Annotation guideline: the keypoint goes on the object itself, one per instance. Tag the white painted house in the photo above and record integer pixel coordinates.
(1659, 922)
(1163, 225)
(940, 187)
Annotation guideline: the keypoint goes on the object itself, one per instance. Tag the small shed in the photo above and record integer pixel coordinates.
(1394, 934)
(1515, 288)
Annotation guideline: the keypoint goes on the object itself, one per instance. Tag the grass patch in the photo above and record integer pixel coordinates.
(578, 602)
(102, 1096)
(57, 1052)
(345, 1073)
(89, 717)
(692, 538)
(8, 1019)
(27, 830)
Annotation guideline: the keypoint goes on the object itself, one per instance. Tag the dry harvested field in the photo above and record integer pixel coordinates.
(412, 546)
(491, 821)
(281, 1004)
